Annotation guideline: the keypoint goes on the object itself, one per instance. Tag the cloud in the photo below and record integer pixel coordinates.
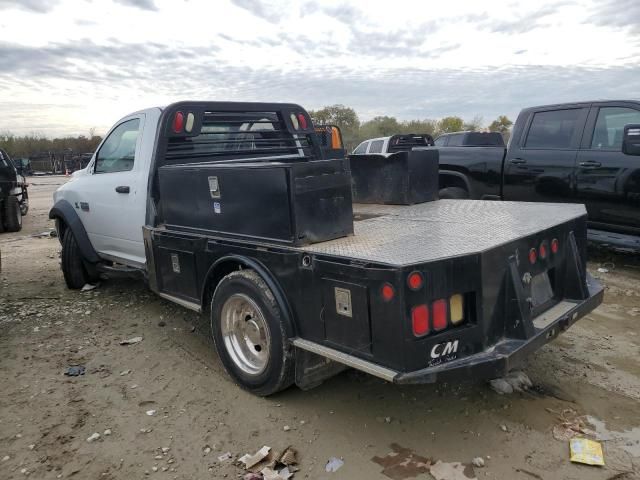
(141, 4)
(268, 11)
(114, 71)
(617, 13)
(37, 6)
(523, 24)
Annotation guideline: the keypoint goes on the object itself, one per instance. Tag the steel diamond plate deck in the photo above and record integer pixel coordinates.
(403, 235)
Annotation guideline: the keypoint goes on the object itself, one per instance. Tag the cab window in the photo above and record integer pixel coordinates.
(455, 140)
(118, 151)
(610, 127)
(440, 141)
(376, 146)
(553, 130)
(361, 149)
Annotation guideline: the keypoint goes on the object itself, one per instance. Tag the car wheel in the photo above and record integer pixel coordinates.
(73, 268)
(453, 193)
(250, 335)
(12, 215)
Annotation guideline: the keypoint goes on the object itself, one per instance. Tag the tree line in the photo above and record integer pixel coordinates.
(38, 145)
(354, 131)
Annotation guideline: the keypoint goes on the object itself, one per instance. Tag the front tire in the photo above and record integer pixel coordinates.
(250, 335)
(12, 215)
(73, 268)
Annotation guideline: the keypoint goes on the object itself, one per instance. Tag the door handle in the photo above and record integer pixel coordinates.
(122, 189)
(517, 161)
(590, 163)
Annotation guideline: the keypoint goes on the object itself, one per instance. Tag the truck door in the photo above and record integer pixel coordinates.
(539, 165)
(608, 180)
(112, 196)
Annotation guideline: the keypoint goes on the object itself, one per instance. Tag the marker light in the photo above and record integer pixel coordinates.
(554, 245)
(439, 314)
(303, 121)
(178, 122)
(542, 251)
(190, 121)
(294, 121)
(533, 256)
(336, 141)
(420, 320)
(414, 280)
(387, 292)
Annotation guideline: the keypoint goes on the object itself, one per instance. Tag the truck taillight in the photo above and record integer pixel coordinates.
(456, 308)
(439, 315)
(554, 245)
(420, 320)
(178, 122)
(533, 256)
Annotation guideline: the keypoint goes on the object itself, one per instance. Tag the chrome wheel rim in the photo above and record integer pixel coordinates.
(19, 213)
(245, 334)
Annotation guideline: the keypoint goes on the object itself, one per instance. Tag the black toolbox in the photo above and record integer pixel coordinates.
(402, 178)
(295, 203)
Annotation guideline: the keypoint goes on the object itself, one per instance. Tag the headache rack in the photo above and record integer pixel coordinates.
(399, 143)
(193, 132)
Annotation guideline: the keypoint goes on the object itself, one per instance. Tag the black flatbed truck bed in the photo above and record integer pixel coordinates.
(350, 299)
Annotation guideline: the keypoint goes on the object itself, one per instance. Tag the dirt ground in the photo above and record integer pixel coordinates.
(200, 414)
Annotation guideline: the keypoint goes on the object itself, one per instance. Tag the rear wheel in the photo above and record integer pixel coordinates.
(12, 215)
(453, 193)
(73, 268)
(250, 335)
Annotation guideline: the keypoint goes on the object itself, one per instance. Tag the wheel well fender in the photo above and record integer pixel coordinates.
(230, 263)
(449, 178)
(67, 218)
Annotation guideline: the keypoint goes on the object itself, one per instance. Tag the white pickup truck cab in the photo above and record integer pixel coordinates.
(110, 194)
(396, 143)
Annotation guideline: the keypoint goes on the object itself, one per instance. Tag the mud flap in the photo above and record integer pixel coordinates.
(518, 311)
(575, 277)
(313, 369)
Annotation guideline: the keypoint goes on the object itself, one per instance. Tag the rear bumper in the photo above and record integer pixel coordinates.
(493, 362)
(510, 353)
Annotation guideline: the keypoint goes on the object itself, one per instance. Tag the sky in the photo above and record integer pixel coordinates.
(67, 66)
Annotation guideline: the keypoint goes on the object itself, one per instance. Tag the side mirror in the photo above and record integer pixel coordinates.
(631, 139)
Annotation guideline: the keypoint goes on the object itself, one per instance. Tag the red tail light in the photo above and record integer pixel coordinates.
(533, 256)
(554, 245)
(178, 122)
(387, 292)
(439, 314)
(303, 121)
(420, 320)
(414, 280)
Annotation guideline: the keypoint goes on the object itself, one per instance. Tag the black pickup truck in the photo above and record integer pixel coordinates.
(573, 152)
(14, 199)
